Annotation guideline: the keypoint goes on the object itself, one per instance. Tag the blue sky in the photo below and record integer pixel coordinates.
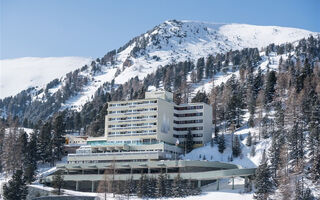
(91, 28)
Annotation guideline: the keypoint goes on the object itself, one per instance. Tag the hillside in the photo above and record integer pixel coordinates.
(170, 42)
(21, 73)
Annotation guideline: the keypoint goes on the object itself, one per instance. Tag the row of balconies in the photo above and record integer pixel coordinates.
(137, 103)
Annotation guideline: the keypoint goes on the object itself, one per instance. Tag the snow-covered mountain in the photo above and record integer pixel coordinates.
(175, 41)
(20, 73)
(169, 42)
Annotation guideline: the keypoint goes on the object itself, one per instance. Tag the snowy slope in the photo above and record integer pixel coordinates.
(171, 42)
(20, 73)
(175, 41)
(270, 62)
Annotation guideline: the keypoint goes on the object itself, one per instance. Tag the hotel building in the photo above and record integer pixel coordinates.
(141, 138)
(147, 129)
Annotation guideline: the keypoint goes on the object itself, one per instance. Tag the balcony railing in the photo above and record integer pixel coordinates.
(115, 144)
(116, 153)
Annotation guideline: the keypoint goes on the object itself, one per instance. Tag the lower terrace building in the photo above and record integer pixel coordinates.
(146, 136)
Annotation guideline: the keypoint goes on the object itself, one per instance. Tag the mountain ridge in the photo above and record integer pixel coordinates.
(170, 42)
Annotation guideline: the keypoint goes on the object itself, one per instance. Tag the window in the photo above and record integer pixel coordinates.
(188, 107)
(188, 114)
(188, 121)
(188, 128)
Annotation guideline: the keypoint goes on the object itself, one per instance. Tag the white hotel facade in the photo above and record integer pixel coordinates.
(148, 129)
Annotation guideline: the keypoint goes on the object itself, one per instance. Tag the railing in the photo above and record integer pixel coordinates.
(118, 144)
(115, 153)
(132, 134)
(131, 105)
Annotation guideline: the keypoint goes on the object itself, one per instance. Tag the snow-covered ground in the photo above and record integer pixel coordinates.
(245, 160)
(20, 73)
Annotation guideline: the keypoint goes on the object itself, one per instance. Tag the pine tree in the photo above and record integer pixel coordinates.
(178, 189)
(314, 128)
(57, 139)
(142, 186)
(168, 186)
(16, 188)
(2, 134)
(22, 145)
(30, 162)
(189, 188)
(151, 187)
(200, 66)
(200, 97)
(274, 154)
(129, 187)
(77, 121)
(58, 181)
(270, 86)
(45, 149)
(221, 143)
(315, 170)
(253, 150)
(236, 148)
(263, 182)
(161, 186)
(249, 140)
(296, 139)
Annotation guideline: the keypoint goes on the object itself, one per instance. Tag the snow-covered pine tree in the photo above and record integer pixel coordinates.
(168, 186)
(274, 155)
(142, 186)
(270, 87)
(221, 143)
(315, 170)
(44, 145)
(58, 182)
(161, 186)
(249, 139)
(263, 181)
(151, 187)
(57, 139)
(236, 148)
(16, 189)
(295, 139)
(178, 187)
(200, 69)
(314, 129)
(2, 134)
(30, 163)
